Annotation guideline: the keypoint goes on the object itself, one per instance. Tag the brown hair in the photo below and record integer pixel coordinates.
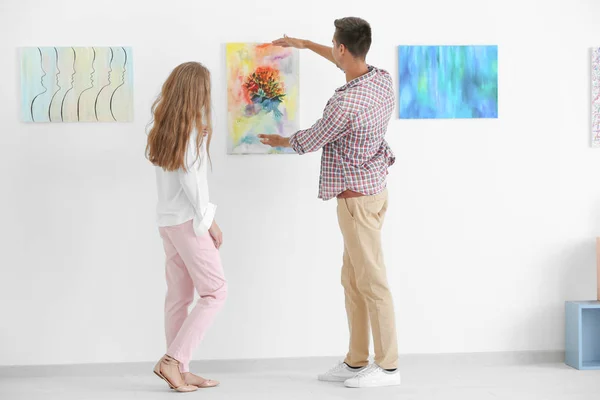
(355, 34)
(183, 104)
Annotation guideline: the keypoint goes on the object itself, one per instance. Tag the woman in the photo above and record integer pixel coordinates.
(191, 237)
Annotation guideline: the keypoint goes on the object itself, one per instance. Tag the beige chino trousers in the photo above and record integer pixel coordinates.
(368, 297)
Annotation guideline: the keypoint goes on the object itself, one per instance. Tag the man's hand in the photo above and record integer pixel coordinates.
(216, 234)
(274, 140)
(287, 41)
(323, 51)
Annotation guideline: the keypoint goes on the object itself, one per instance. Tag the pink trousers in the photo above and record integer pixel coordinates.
(192, 263)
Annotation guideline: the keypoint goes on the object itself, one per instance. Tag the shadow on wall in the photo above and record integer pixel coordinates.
(570, 275)
(577, 271)
(577, 281)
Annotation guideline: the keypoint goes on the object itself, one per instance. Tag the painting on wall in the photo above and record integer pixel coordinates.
(596, 97)
(448, 82)
(76, 84)
(262, 95)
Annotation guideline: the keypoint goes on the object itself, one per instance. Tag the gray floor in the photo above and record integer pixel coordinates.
(514, 376)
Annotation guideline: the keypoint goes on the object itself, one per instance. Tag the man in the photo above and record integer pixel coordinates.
(354, 168)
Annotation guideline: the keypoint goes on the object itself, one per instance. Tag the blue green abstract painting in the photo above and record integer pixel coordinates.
(448, 82)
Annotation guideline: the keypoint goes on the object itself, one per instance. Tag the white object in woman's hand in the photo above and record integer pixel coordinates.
(216, 234)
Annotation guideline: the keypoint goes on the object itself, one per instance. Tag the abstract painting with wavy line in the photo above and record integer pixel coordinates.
(262, 95)
(76, 84)
(596, 97)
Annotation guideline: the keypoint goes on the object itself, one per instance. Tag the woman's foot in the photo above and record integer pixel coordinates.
(168, 369)
(198, 381)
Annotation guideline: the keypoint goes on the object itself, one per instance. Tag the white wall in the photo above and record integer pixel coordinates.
(490, 228)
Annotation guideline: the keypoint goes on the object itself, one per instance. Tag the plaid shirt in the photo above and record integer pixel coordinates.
(352, 134)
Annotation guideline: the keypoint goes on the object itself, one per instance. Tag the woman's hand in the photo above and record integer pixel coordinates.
(216, 234)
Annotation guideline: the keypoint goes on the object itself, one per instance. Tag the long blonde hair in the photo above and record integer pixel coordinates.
(183, 104)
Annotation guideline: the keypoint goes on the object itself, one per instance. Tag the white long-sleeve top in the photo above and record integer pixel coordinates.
(183, 196)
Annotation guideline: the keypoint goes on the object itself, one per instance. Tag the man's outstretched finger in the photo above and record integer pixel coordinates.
(264, 139)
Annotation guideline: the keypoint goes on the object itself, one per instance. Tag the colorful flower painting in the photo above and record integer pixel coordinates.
(448, 82)
(262, 95)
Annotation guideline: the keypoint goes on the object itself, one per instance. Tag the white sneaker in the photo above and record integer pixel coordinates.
(339, 373)
(373, 376)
